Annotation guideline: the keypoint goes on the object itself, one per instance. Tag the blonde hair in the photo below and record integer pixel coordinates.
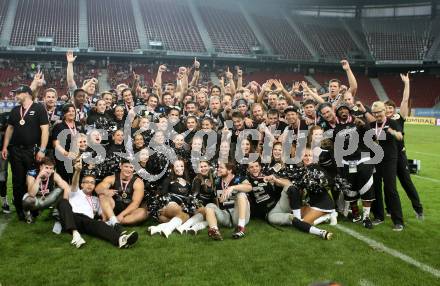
(378, 106)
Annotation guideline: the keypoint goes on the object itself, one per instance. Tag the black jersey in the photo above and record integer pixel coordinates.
(46, 186)
(263, 197)
(203, 190)
(346, 131)
(124, 190)
(390, 144)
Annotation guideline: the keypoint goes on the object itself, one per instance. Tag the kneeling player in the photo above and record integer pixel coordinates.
(233, 208)
(121, 195)
(45, 188)
(314, 182)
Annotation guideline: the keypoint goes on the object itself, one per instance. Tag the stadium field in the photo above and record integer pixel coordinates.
(33, 255)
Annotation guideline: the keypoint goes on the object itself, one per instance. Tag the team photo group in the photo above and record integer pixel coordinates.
(184, 158)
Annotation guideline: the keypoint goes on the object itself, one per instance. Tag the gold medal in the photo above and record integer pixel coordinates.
(22, 122)
(124, 195)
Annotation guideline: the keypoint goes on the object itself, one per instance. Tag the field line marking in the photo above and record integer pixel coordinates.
(424, 153)
(390, 251)
(427, 178)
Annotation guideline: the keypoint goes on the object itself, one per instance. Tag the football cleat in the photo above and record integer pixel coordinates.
(367, 223)
(214, 234)
(239, 232)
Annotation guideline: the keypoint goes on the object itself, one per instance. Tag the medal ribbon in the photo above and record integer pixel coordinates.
(380, 130)
(43, 190)
(25, 111)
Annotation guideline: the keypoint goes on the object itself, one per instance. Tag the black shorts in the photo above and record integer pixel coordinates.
(361, 181)
(120, 206)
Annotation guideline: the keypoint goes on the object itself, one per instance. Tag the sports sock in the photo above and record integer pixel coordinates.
(112, 221)
(192, 220)
(366, 212)
(241, 222)
(4, 201)
(297, 213)
(315, 230)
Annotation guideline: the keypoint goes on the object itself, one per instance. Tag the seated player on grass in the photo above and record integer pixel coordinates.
(204, 192)
(78, 209)
(44, 189)
(233, 207)
(174, 205)
(121, 196)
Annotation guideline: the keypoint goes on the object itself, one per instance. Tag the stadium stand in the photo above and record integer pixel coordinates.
(223, 27)
(424, 89)
(3, 9)
(398, 39)
(46, 18)
(171, 22)
(328, 37)
(282, 38)
(111, 25)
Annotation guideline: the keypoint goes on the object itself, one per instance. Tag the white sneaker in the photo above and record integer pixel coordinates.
(77, 240)
(127, 240)
(334, 218)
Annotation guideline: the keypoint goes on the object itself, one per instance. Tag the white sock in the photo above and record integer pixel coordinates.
(297, 213)
(321, 219)
(112, 221)
(215, 227)
(192, 220)
(366, 212)
(75, 233)
(57, 228)
(173, 224)
(241, 222)
(315, 230)
(200, 225)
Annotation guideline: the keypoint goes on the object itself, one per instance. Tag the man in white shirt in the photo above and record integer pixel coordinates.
(78, 209)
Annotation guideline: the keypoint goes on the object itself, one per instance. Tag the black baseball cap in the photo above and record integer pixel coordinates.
(22, 89)
(290, 108)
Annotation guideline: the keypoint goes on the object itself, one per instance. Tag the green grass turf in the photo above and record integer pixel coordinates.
(32, 255)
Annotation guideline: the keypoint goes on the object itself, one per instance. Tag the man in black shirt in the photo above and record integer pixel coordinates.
(355, 167)
(27, 134)
(402, 162)
(386, 170)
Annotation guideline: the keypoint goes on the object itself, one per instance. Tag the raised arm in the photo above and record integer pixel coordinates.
(350, 76)
(404, 105)
(230, 78)
(196, 74)
(239, 78)
(280, 89)
(70, 80)
(310, 92)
